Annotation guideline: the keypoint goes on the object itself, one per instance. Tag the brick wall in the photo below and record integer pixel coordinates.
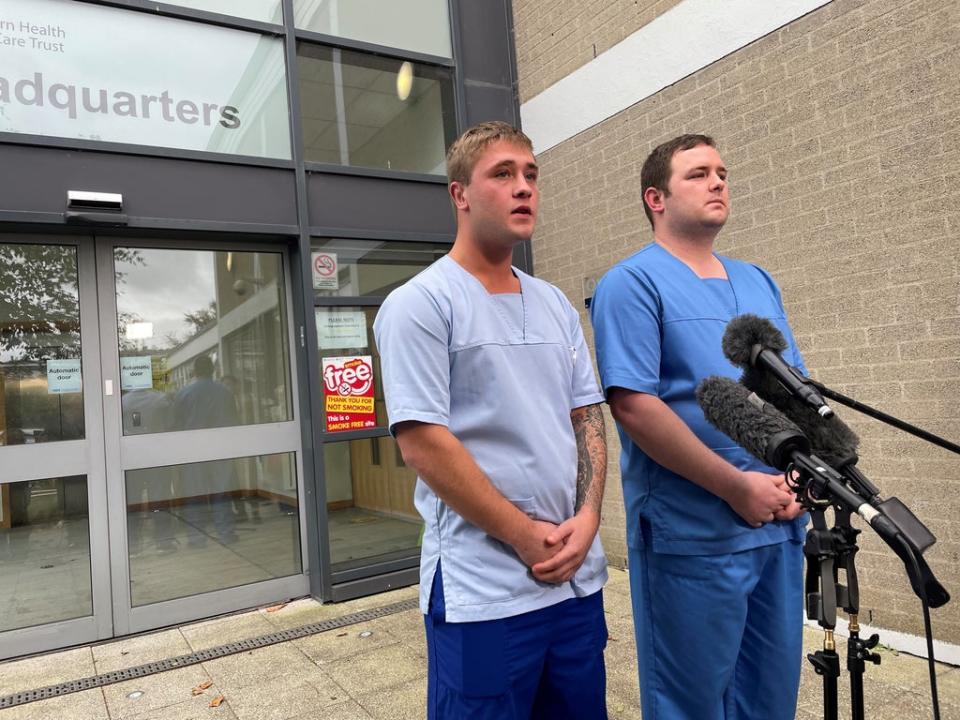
(555, 37)
(842, 135)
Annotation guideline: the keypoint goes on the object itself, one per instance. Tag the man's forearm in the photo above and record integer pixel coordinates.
(447, 467)
(589, 430)
(662, 435)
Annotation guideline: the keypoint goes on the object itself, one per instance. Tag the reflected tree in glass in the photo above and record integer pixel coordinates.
(39, 321)
(38, 303)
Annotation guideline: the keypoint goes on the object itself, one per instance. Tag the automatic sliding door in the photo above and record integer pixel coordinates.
(203, 424)
(53, 560)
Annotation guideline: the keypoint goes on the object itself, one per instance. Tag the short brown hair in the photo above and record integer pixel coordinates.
(657, 166)
(462, 155)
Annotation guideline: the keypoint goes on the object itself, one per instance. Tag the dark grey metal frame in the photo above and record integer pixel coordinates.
(484, 84)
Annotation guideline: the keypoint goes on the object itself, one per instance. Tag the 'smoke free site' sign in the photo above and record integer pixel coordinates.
(348, 393)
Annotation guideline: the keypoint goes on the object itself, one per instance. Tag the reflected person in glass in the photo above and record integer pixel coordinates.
(205, 403)
(148, 411)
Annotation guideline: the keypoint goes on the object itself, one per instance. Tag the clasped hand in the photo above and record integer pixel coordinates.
(763, 498)
(554, 553)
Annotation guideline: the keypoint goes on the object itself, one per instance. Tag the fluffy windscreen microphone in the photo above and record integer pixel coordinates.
(831, 439)
(756, 426)
(754, 342)
(746, 331)
(768, 435)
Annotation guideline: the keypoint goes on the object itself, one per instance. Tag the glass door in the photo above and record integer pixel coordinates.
(202, 437)
(150, 467)
(53, 543)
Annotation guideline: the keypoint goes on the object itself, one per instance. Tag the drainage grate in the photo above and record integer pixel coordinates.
(87, 683)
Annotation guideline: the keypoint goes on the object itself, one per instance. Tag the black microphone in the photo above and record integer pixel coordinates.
(750, 422)
(754, 342)
(768, 435)
(830, 437)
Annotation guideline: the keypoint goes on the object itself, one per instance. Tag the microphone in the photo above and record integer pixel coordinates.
(753, 424)
(770, 436)
(830, 437)
(754, 342)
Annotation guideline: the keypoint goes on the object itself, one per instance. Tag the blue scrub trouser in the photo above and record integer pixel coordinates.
(542, 664)
(719, 637)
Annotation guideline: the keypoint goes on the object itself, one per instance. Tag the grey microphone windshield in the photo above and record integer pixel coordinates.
(831, 439)
(756, 426)
(750, 341)
(746, 331)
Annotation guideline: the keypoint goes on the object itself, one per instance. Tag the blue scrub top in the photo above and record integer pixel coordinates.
(658, 330)
(504, 383)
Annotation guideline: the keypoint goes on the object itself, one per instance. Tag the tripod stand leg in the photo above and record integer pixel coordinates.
(858, 654)
(826, 663)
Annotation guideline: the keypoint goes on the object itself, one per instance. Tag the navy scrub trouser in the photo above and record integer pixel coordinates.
(719, 637)
(542, 664)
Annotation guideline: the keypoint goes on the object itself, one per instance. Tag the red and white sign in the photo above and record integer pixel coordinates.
(325, 271)
(348, 393)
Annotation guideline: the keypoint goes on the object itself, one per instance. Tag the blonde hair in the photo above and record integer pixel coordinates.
(462, 155)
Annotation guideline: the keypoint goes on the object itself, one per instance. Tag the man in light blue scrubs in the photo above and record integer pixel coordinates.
(492, 398)
(714, 536)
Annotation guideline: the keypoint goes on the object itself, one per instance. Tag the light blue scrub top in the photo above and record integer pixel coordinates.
(658, 330)
(504, 383)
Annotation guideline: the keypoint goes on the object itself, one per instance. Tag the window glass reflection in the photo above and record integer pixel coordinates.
(263, 10)
(372, 111)
(366, 268)
(418, 25)
(41, 394)
(370, 503)
(207, 526)
(44, 552)
(152, 80)
(212, 354)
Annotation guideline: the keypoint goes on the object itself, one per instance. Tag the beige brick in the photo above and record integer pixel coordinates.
(554, 41)
(842, 134)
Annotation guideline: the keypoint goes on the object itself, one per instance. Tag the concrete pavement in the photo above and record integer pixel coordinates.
(373, 669)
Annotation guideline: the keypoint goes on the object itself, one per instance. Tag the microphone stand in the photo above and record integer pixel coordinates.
(827, 552)
(818, 487)
(883, 417)
(916, 538)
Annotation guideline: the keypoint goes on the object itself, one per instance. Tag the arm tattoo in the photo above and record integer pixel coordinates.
(588, 428)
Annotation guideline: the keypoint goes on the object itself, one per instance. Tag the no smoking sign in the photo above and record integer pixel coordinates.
(325, 276)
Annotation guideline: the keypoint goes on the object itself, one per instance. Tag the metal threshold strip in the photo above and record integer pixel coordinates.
(72, 686)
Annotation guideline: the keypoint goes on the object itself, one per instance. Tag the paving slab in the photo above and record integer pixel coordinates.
(256, 667)
(196, 708)
(404, 701)
(406, 627)
(160, 691)
(388, 667)
(86, 705)
(325, 648)
(344, 711)
(303, 612)
(220, 631)
(42, 670)
(139, 650)
(287, 697)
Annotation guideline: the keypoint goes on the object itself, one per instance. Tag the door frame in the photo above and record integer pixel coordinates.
(179, 447)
